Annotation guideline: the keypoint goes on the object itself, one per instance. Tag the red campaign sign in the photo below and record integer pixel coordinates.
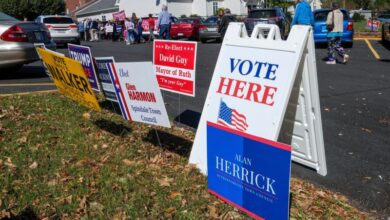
(175, 54)
(174, 63)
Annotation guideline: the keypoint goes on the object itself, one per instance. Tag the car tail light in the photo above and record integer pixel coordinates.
(202, 27)
(350, 26)
(49, 26)
(14, 34)
(72, 26)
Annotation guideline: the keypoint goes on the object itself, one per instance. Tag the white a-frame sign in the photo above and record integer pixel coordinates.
(268, 88)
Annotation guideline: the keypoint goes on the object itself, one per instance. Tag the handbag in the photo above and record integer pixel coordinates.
(330, 27)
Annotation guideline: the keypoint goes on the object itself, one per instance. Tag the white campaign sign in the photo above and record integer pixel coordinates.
(253, 79)
(141, 94)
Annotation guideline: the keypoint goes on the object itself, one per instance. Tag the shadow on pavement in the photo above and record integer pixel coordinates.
(169, 142)
(189, 118)
(25, 72)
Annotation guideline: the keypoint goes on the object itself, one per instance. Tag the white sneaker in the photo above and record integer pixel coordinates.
(346, 58)
(331, 62)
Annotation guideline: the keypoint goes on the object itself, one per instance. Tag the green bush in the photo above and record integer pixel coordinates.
(357, 17)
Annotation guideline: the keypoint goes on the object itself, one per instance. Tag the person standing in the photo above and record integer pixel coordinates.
(303, 14)
(130, 31)
(225, 20)
(164, 23)
(140, 39)
(335, 24)
(109, 30)
(93, 30)
(152, 24)
(80, 28)
(86, 29)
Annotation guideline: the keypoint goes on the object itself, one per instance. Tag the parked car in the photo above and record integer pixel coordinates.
(209, 30)
(63, 29)
(384, 17)
(268, 16)
(320, 31)
(145, 26)
(186, 28)
(386, 32)
(17, 40)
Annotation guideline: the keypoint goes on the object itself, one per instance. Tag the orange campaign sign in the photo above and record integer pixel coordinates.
(70, 79)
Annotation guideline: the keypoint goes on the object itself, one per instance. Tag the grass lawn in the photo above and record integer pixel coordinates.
(58, 160)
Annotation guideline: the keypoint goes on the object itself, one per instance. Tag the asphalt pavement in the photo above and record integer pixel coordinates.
(355, 104)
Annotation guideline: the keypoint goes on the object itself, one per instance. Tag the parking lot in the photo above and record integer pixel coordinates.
(355, 103)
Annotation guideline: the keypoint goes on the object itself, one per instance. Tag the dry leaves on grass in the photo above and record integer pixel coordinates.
(33, 165)
(128, 162)
(165, 181)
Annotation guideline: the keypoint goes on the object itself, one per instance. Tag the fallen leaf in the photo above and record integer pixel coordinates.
(9, 163)
(366, 130)
(52, 182)
(174, 195)
(170, 211)
(86, 116)
(128, 162)
(213, 212)
(104, 146)
(22, 140)
(33, 165)
(165, 181)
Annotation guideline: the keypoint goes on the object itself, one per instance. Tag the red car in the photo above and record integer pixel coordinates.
(186, 28)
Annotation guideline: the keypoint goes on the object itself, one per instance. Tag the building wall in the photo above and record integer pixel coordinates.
(72, 5)
(99, 16)
(180, 7)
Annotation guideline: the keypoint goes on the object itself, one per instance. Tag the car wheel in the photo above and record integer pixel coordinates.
(383, 35)
(349, 44)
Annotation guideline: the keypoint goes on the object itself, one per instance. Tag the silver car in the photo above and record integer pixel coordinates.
(63, 29)
(17, 40)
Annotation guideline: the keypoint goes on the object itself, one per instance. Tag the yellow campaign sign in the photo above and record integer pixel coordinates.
(70, 79)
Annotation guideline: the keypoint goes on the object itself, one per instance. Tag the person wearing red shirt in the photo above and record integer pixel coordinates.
(152, 24)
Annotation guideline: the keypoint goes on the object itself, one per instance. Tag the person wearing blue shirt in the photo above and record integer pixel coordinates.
(164, 23)
(80, 28)
(303, 14)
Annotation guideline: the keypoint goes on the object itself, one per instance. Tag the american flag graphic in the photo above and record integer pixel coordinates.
(231, 118)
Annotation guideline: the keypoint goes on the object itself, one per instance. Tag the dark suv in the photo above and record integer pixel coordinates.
(268, 16)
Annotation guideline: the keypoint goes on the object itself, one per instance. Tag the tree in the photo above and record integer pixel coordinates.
(31, 9)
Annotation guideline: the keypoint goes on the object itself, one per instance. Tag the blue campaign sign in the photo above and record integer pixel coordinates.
(84, 56)
(104, 77)
(251, 173)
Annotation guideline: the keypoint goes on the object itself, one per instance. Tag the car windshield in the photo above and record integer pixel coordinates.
(58, 20)
(5, 17)
(384, 16)
(187, 21)
(211, 20)
(322, 15)
(262, 14)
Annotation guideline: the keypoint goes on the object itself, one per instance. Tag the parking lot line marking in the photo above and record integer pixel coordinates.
(27, 93)
(376, 55)
(367, 38)
(25, 84)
